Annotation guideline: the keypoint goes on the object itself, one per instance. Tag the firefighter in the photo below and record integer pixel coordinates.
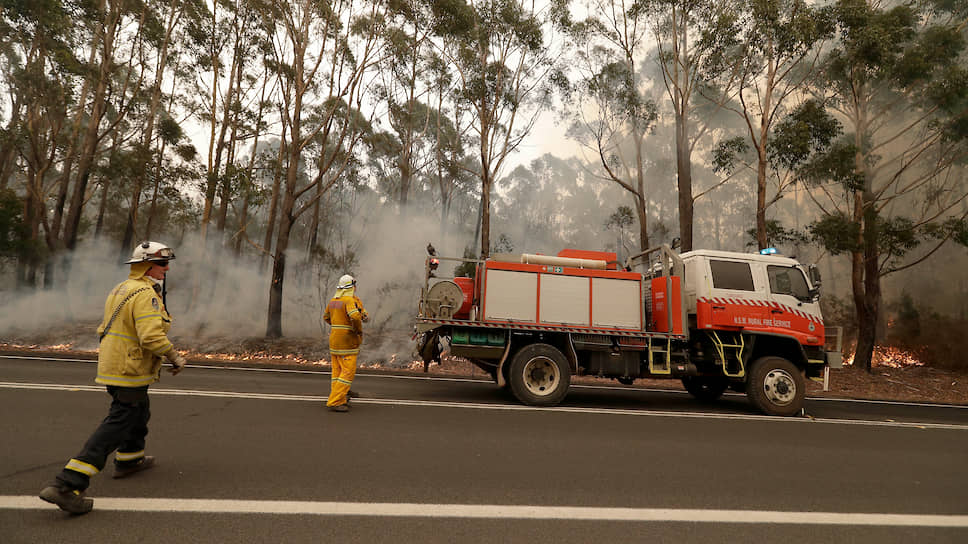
(345, 315)
(134, 340)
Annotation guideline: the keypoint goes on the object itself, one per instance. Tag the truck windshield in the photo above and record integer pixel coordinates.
(787, 280)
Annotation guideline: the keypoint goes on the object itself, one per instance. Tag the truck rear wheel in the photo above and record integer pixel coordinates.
(705, 388)
(539, 375)
(776, 386)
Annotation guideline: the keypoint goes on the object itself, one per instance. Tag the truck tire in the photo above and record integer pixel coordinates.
(776, 386)
(539, 375)
(705, 388)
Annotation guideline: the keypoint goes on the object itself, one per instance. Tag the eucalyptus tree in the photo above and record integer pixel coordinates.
(507, 69)
(155, 43)
(693, 37)
(235, 43)
(322, 54)
(613, 113)
(452, 166)
(531, 209)
(898, 81)
(404, 89)
(36, 53)
(780, 42)
(35, 50)
(106, 33)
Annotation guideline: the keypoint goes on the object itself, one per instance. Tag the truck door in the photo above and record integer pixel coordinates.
(792, 306)
(733, 300)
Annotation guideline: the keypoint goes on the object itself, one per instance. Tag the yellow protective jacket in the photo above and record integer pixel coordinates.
(131, 351)
(345, 315)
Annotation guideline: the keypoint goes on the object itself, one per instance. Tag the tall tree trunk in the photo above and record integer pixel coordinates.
(762, 240)
(274, 320)
(485, 214)
(91, 138)
(641, 204)
(865, 273)
(314, 223)
(684, 183)
(274, 199)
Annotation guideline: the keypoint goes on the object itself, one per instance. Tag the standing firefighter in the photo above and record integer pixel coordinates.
(345, 315)
(133, 342)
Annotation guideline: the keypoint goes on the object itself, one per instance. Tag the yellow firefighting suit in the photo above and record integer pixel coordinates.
(129, 359)
(345, 315)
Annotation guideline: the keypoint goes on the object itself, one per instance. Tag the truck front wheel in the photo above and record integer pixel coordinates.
(776, 386)
(539, 375)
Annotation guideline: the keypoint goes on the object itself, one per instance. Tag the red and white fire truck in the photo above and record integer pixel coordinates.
(713, 319)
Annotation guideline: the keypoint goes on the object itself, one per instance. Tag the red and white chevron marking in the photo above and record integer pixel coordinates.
(763, 304)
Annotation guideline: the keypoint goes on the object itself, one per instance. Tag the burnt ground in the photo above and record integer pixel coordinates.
(910, 383)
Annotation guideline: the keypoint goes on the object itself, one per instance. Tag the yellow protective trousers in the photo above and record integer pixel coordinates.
(344, 369)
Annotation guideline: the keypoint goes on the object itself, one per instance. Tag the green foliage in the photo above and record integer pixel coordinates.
(806, 131)
(169, 130)
(777, 235)
(622, 219)
(837, 232)
(908, 317)
(953, 228)
(614, 85)
(466, 269)
(503, 244)
(896, 236)
(728, 153)
(14, 233)
(836, 165)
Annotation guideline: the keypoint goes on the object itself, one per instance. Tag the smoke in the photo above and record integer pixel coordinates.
(219, 301)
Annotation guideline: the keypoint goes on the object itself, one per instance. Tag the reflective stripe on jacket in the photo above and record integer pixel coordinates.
(345, 314)
(131, 352)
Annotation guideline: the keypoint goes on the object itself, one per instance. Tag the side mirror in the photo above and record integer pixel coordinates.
(814, 275)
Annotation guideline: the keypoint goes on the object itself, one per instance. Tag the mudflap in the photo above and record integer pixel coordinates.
(428, 346)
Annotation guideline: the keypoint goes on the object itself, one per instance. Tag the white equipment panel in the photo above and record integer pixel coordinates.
(511, 295)
(564, 299)
(615, 303)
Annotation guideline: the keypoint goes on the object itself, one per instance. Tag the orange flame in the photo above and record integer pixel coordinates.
(889, 356)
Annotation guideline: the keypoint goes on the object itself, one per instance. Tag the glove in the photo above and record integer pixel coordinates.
(177, 362)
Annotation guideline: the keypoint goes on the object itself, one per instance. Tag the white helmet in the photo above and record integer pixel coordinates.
(346, 281)
(151, 251)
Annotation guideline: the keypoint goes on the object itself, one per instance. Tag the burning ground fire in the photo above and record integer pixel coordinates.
(884, 356)
(891, 357)
(247, 356)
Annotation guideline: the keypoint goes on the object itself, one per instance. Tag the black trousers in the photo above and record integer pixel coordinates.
(124, 429)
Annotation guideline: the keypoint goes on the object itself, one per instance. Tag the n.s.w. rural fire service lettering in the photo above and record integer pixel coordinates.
(743, 320)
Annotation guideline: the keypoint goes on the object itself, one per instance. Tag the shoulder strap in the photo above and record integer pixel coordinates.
(118, 311)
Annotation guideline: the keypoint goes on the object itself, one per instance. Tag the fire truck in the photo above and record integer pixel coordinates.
(715, 320)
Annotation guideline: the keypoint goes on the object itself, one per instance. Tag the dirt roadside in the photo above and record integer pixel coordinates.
(910, 384)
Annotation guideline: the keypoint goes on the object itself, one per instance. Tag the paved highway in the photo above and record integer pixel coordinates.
(251, 455)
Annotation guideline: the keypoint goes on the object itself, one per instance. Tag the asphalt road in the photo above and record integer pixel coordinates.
(251, 455)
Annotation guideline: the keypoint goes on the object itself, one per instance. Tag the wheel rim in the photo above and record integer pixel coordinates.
(541, 376)
(780, 387)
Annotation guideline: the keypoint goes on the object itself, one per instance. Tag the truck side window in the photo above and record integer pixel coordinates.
(788, 281)
(731, 275)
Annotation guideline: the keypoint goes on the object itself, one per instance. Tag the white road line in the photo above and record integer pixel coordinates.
(496, 511)
(475, 380)
(494, 406)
